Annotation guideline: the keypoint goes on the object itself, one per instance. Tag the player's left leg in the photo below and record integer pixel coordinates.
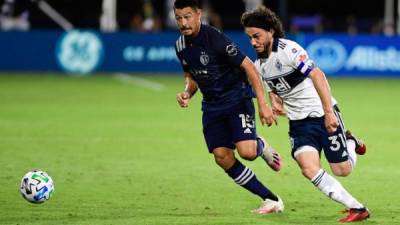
(341, 155)
(241, 174)
(245, 177)
(340, 150)
(359, 146)
(308, 160)
(250, 150)
(341, 169)
(354, 146)
(269, 154)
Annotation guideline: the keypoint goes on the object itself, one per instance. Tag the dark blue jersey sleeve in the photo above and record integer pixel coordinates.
(227, 49)
(185, 67)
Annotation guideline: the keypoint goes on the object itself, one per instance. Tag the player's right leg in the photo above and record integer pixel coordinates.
(310, 166)
(218, 136)
(251, 149)
(244, 135)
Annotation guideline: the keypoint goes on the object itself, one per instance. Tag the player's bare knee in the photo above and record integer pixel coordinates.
(341, 171)
(248, 155)
(220, 159)
(247, 149)
(225, 161)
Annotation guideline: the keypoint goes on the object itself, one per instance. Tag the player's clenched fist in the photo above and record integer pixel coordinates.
(183, 99)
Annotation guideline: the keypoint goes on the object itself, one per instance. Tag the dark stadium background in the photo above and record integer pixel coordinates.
(85, 14)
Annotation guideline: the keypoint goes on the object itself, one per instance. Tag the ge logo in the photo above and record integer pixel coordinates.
(329, 54)
(79, 52)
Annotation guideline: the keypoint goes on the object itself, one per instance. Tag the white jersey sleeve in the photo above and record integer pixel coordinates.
(299, 59)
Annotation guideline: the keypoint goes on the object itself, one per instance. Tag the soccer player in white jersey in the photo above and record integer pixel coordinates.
(315, 122)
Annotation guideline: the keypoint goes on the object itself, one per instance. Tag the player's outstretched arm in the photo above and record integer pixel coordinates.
(276, 104)
(324, 92)
(266, 115)
(183, 97)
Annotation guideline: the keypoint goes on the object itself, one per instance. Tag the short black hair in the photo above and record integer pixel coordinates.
(180, 4)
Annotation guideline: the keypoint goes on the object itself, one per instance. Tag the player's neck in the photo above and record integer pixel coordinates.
(268, 49)
(197, 32)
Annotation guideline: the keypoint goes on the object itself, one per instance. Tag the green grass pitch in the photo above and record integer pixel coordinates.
(124, 153)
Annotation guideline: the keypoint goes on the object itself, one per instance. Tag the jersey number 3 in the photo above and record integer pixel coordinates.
(336, 142)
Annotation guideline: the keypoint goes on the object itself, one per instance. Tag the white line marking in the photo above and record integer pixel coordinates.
(139, 81)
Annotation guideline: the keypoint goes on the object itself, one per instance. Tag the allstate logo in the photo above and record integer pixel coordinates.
(329, 54)
(79, 52)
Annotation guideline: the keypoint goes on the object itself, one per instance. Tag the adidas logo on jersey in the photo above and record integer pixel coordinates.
(247, 131)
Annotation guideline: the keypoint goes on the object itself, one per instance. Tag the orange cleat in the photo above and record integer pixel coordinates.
(355, 215)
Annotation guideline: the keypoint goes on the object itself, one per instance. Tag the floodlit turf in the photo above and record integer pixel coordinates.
(123, 153)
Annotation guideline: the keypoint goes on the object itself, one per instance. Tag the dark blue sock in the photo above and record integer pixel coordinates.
(260, 146)
(246, 178)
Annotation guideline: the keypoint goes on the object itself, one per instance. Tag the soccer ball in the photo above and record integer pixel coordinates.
(37, 186)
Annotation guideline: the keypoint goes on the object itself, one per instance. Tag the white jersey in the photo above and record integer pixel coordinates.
(285, 72)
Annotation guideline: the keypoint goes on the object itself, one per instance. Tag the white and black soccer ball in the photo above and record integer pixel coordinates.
(37, 186)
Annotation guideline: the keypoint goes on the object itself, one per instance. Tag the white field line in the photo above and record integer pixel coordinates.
(139, 81)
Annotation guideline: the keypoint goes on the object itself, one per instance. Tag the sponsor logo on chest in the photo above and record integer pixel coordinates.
(280, 85)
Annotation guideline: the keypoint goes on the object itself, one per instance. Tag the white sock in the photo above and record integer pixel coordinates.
(351, 149)
(334, 190)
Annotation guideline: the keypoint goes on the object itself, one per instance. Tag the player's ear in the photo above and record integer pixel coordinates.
(200, 13)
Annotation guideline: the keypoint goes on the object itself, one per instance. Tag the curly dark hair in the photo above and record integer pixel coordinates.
(264, 18)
